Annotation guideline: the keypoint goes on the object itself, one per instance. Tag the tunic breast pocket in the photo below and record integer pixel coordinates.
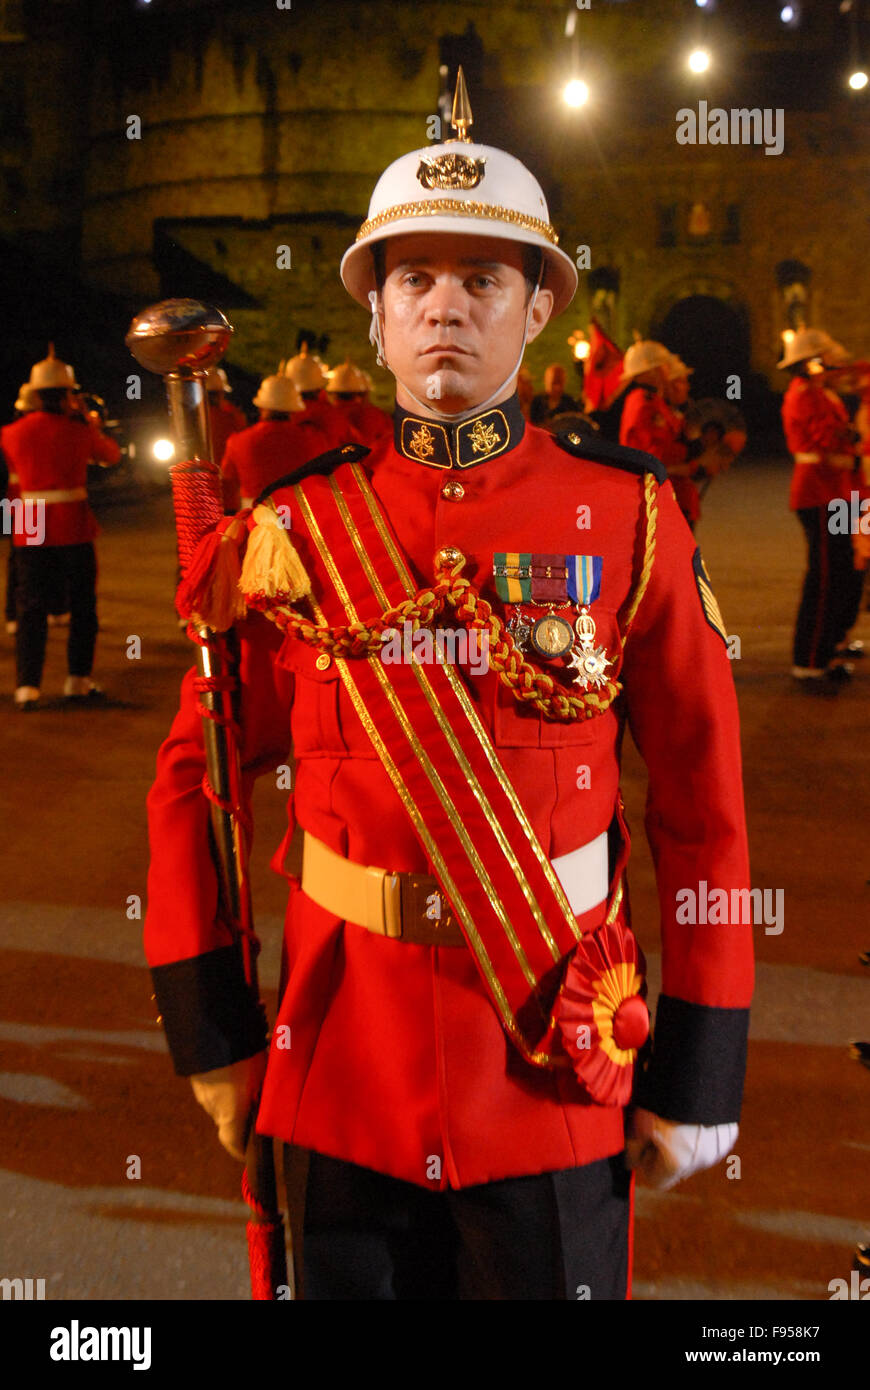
(518, 724)
(315, 722)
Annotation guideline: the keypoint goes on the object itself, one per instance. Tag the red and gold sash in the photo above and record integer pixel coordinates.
(430, 739)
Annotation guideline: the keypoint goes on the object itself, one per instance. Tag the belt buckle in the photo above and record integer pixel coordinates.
(392, 899)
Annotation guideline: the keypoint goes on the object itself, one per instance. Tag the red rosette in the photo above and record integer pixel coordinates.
(601, 1012)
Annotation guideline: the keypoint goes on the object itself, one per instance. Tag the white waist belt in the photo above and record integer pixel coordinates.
(832, 460)
(63, 494)
(584, 874)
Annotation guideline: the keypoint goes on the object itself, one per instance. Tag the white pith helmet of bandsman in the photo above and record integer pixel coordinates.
(347, 380)
(645, 356)
(27, 399)
(305, 371)
(50, 374)
(278, 393)
(809, 343)
(459, 187)
(677, 367)
(216, 380)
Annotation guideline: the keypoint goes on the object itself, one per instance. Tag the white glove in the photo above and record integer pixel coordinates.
(665, 1152)
(229, 1095)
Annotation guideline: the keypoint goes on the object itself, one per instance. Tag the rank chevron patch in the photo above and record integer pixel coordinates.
(712, 611)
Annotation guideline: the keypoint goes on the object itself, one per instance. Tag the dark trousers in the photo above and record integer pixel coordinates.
(562, 1236)
(831, 594)
(45, 574)
(10, 586)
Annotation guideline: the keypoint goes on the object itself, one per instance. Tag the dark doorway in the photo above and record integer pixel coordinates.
(710, 336)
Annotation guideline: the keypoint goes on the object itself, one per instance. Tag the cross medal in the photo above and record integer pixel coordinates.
(588, 661)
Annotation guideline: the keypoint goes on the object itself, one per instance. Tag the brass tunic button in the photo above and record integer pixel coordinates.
(448, 556)
(574, 439)
(453, 492)
(323, 662)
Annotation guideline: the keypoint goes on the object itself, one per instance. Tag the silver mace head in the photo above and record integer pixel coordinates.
(181, 336)
(180, 339)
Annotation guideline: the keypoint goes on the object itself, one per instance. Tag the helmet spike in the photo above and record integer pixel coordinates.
(461, 118)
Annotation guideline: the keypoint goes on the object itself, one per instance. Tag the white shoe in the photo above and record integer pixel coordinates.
(12, 627)
(26, 695)
(80, 687)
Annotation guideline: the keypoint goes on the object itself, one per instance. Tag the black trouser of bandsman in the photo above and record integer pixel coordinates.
(48, 579)
(831, 595)
(550, 1236)
(60, 603)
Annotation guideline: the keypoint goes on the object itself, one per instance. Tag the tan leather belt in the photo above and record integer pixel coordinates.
(830, 460)
(61, 494)
(406, 907)
(412, 907)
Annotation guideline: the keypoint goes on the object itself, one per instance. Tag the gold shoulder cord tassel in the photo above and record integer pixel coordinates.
(272, 564)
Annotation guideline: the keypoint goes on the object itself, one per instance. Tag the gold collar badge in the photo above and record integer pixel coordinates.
(483, 438)
(421, 443)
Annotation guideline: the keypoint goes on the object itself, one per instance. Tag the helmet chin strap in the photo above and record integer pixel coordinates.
(376, 338)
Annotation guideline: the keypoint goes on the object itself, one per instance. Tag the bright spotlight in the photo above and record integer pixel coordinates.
(163, 450)
(576, 93)
(858, 80)
(699, 60)
(786, 14)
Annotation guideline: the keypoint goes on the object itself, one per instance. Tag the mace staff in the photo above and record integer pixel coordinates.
(180, 339)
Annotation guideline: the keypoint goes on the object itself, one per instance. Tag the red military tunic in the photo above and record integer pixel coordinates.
(50, 455)
(318, 411)
(819, 437)
(225, 420)
(396, 1054)
(649, 423)
(364, 421)
(262, 453)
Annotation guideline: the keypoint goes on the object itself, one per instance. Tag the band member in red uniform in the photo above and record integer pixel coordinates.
(821, 440)
(225, 419)
(647, 422)
(276, 445)
(49, 450)
(461, 1028)
(26, 400)
(347, 388)
(309, 378)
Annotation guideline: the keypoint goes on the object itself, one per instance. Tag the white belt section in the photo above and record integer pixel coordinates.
(62, 494)
(832, 460)
(584, 874)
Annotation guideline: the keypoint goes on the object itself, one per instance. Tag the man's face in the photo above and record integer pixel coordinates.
(678, 390)
(454, 313)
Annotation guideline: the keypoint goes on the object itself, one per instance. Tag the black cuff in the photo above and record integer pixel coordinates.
(695, 1075)
(209, 1014)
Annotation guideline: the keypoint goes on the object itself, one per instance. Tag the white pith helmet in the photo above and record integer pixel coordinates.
(305, 371)
(813, 342)
(27, 398)
(52, 375)
(278, 393)
(461, 187)
(216, 380)
(347, 379)
(677, 367)
(642, 357)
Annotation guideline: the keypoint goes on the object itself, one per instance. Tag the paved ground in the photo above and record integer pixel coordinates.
(84, 1079)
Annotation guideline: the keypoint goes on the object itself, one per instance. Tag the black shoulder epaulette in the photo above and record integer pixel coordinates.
(605, 451)
(324, 464)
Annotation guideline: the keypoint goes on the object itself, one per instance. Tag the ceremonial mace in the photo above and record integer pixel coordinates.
(180, 339)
